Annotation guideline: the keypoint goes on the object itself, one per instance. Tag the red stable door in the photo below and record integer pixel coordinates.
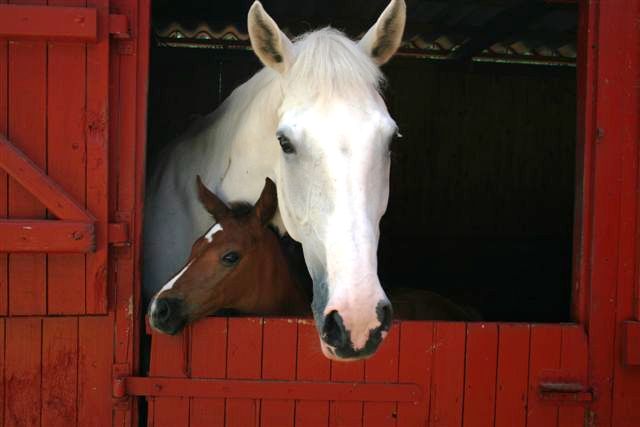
(54, 83)
(249, 371)
(56, 271)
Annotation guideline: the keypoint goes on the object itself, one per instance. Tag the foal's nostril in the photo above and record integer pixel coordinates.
(162, 312)
(333, 332)
(385, 315)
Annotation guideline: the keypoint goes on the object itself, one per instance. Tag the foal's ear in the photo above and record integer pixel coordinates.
(384, 38)
(270, 44)
(211, 202)
(267, 204)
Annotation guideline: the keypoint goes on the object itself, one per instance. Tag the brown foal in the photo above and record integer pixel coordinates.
(238, 264)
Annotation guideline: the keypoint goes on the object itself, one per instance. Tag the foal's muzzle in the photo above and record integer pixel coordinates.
(165, 315)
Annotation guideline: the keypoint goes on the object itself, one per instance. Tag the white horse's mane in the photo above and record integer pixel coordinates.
(330, 64)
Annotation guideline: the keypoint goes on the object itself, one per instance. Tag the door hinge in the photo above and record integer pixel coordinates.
(563, 389)
(119, 26)
(120, 372)
(631, 342)
(119, 234)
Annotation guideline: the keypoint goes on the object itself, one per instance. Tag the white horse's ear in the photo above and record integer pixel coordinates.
(274, 49)
(384, 38)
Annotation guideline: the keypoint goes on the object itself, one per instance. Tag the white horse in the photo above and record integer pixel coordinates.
(314, 122)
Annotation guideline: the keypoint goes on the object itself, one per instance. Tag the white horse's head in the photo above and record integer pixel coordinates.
(332, 172)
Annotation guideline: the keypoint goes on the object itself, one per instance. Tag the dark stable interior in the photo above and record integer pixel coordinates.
(482, 182)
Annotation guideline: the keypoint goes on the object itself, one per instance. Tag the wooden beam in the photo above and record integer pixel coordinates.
(46, 236)
(31, 177)
(279, 390)
(506, 23)
(48, 22)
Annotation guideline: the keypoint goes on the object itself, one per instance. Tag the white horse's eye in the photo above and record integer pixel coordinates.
(285, 144)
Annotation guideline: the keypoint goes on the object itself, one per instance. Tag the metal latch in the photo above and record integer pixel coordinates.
(119, 26)
(119, 234)
(560, 388)
(631, 342)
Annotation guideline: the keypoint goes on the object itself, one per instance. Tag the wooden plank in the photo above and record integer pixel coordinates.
(97, 134)
(4, 112)
(312, 365)
(52, 23)
(606, 52)
(208, 360)
(544, 350)
(2, 370)
(480, 375)
(27, 130)
(95, 343)
(46, 236)
(279, 344)
(272, 390)
(66, 160)
(59, 371)
(513, 376)
(22, 372)
(169, 358)
(26, 169)
(447, 388)
(573, 361)
(346, 413)
(416, 358)
(244, 357)
(383, 368)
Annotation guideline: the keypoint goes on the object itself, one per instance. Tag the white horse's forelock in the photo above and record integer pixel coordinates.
(329, 64)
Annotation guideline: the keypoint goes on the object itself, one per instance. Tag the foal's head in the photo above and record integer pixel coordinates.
(234, 265)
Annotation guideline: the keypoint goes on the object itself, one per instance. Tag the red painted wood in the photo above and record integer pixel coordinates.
(22, 372)
(447, 387)
(346, 413)
(4, 98)
(416, 359)
(96, 131)
(346, 391)
(631, 343)
(38, 22)
(66, 160)
(46, 236)
(2, 369)
(95, 359)
(208, 360)
(244, 357)
(512, 381)
(169, 358)
(546, 341)
(311, 366)
(29, 173)
(480, 375)
(59, 371)
(383, 368)
(573, 361)
(626, 379)
(27, 131)
(586, 76)
(279, 342)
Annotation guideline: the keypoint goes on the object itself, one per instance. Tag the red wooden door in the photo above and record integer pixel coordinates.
(249, 371)
(54, 60)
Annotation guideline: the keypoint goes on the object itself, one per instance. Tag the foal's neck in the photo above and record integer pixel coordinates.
(279, 287)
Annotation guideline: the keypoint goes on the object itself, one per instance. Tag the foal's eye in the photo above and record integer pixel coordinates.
(285, 144)
(230, 258)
